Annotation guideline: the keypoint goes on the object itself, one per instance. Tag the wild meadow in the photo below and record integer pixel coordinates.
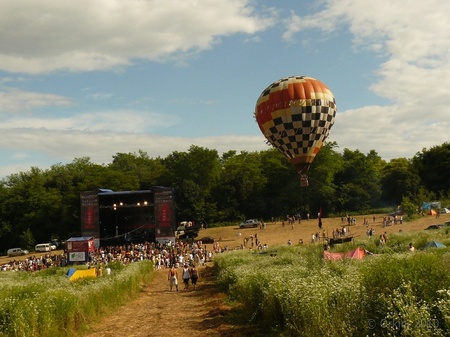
(293, 291)
(47, 303)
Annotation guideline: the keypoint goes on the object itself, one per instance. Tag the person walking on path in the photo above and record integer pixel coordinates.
(194, 276)
(172, 277)
(186, 276)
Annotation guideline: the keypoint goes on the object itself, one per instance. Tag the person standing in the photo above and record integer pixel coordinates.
(194, 276)
(186, 276)
(172, 277)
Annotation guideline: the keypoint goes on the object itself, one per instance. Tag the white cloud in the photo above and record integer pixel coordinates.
(387, 130)
(101, 146)
(18, 100)
(414, 40)
(116, 121)
(41, 36)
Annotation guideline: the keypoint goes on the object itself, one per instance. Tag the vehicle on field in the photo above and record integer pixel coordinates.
(17, 252)
(187, 230)
(43, 247)
(436, 226)
(55, 243)
(207, 239)
(250, 223)
(180, 230)
(333, 241)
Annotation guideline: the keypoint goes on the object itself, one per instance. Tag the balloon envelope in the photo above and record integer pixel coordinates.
(295, 114)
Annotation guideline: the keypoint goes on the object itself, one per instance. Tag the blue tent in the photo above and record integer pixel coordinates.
(434, 244)
(70, 272)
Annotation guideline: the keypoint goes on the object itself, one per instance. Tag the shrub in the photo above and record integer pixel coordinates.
(296, 292)
(46, 303)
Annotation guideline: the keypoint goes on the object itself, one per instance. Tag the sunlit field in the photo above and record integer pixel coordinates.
(293, 291)
(288, 290)
(47, 303)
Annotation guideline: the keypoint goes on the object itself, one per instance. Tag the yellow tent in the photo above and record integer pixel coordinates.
(432, 212)
(83, 274)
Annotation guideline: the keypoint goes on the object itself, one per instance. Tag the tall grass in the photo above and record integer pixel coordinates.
(45, 304)
(297, 293)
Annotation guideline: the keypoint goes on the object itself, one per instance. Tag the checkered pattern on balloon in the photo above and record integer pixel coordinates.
(295, 114)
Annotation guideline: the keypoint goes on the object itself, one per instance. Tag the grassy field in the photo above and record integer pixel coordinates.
(275, 234)
(46, 303)
(295, 292)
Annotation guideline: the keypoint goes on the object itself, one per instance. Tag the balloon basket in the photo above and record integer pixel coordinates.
(303, 181)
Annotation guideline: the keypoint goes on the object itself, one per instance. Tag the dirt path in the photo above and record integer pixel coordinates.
(160, 312)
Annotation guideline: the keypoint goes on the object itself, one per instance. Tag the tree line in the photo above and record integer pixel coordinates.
(38, 205)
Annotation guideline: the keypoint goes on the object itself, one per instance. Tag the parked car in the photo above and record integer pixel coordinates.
(436, 226)
(43, 247)
(55, 244)
(207, 239)
(250, 223)
(17, 252)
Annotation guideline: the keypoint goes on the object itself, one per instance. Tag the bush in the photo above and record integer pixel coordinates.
(46, 303)
(297, 293)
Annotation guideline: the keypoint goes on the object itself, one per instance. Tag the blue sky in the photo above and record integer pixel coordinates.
(93, 78)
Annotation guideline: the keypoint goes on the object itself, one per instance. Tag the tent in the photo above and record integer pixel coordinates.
(434, 244)
(431, 212)
(357, 254)
(445, 210)
(74, 274)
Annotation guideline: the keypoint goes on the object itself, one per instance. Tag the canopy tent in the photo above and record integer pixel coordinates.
(434, 244)
(357, 254)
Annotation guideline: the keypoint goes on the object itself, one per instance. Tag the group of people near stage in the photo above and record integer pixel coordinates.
(162, 256)
(35, 263)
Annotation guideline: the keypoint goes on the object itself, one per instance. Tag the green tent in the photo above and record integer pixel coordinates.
(434, 244)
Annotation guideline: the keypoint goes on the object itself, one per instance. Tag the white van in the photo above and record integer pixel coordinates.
(43, 247)
(17, 252)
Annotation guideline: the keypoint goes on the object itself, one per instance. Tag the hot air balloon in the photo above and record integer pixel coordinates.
(295, 114)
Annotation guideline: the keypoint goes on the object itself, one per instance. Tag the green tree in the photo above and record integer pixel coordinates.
(193, 174)
(281, 191)
(149, 171)
(432, 164)
(31, 205)
(409, 207)
(359, 181)
(399, 179)
(322, 190)
(27, 239)
(240, 190)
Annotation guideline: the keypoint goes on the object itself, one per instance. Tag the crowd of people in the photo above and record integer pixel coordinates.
(35, 263)
(163, 255)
